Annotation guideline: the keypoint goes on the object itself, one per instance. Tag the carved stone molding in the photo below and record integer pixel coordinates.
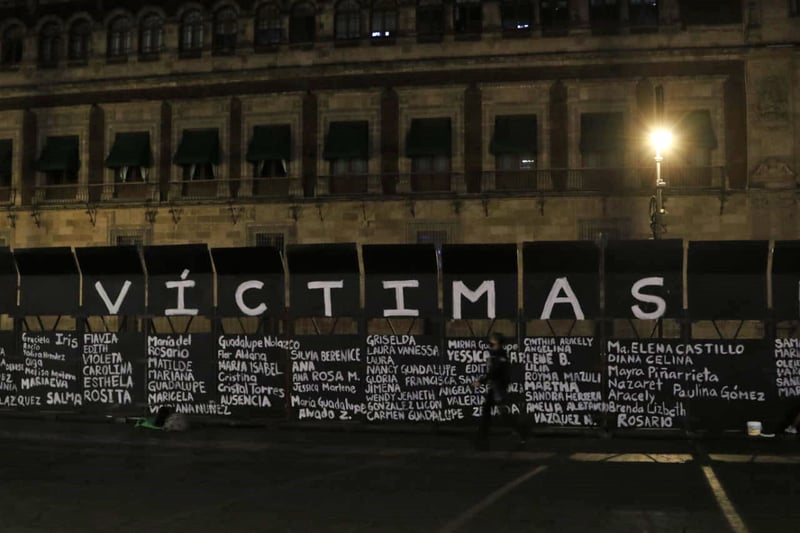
(772, 103)
(773, 173)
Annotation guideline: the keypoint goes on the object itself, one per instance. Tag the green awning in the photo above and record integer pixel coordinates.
(198, 147)
(269, 143)
(695, 128)
(515, 134)
(130, 149)
(60, 154)
(602, 132)
(429, 137)
(347, 140)
(5, 157)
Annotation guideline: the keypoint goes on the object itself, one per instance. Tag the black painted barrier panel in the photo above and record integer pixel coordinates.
(404, 373)
(651, 383)
(251, 375)
(786, 354)
(323, 280)
(328, 378)
(702, 384)
(49, 281)
(50, 379)
(250, 281)
(562, 381)
(179, 280)
(642, 276)
(8, 282)
(400, 280)
(465, 361)
(561, 280)
(113, 372)
(12, 369)
(181, 374)
(786, 280)
(727, 280)
(113, 280)
(480, 280)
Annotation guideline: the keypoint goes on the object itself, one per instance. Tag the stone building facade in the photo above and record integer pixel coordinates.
(268, 122)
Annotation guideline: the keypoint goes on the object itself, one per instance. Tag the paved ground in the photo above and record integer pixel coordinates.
(58, 476)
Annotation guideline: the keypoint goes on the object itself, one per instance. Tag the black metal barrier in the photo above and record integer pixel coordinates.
(578, 382)
(124, 332)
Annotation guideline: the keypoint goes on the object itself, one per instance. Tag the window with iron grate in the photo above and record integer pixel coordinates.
(129, 237)
(607, 228)
(267, 237)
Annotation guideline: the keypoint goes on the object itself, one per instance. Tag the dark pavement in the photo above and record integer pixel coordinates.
(77, 476)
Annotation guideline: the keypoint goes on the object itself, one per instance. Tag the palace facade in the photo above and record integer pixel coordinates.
(457, 121)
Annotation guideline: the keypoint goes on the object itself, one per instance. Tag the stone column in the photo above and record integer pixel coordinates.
(473, 139)
(309, 125)
(390, 140)
(736, 128)
(559, 135)
(29, 152)
(165, 150)
(646, 109)
(235, 147)
(645, 101)
(624, 16)
(97, 147)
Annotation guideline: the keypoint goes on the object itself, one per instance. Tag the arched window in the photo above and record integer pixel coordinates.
(151, 35)
(383, 23)
(225, 29)
(347, 23)
(302, 23)
(80, 34)
(119, 37)
(49, 44)
(268, 29)
(13, 39)
(192, 32)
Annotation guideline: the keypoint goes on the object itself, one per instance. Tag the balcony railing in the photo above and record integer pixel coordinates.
(564, 181)
(198, 189)
(8, 195)
(603, 180)
(127, 192)
(597, 181)
(62, 193)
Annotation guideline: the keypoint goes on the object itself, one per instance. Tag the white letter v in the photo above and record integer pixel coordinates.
(113, 308)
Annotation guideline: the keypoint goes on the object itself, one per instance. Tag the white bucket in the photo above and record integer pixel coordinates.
(754, 428)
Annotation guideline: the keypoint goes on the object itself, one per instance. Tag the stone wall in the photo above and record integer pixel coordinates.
(756, 215)
(746, 75)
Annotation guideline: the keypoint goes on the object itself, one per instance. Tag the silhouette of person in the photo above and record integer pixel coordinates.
(497, 378)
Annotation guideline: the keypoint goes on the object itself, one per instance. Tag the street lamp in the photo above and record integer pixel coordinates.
(661, 140)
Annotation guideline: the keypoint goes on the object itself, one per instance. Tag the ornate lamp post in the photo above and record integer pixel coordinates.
(661, 140)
